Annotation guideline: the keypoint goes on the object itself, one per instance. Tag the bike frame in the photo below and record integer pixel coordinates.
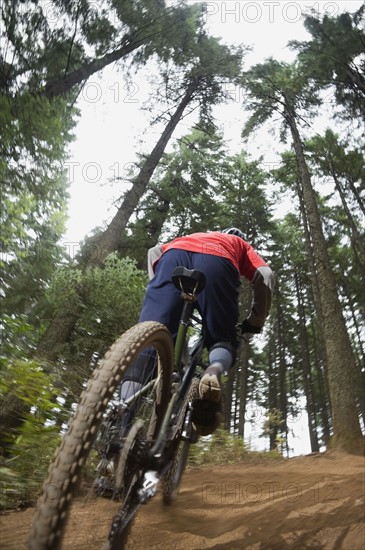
(176, 420)
(156, 451)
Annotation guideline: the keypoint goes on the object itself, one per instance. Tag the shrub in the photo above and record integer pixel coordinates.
(28, 448)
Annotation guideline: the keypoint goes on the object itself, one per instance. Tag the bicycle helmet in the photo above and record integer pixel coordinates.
(234, 231)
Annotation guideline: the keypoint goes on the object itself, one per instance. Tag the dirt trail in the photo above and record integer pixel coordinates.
(313, 502)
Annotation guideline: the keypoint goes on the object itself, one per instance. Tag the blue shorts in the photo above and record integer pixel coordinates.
(217, 303)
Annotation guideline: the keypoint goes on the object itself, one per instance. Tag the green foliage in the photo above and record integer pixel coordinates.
(18, 337)
(170, 32)
(63, 291)
(224, 448)
(198, 187)
(29, 449)
(190, 180)
(242, 198)
(110, 300)
(43, 46)
(182, 194)
(220, 448)
(334, 58)
(113, 299)
(34, 138)
(47, 43)
(276, 88)
(274, 422)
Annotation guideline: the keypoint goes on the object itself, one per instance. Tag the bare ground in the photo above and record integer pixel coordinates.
(312, 502)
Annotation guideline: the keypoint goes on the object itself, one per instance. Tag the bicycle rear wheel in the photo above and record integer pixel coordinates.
(172, 478)
(85, 431)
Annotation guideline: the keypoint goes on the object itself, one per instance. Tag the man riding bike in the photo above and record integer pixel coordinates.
(223, 256)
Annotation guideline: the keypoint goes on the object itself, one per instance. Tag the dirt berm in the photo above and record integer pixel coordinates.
(310, 502)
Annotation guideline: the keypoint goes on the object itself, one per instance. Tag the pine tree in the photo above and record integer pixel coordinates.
(202, 84)
(334, 58)
(280, 88)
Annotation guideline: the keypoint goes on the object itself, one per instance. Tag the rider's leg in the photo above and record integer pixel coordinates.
(210, 384)
(223, 354)
(218, 302)
(162, 303)
(129, 388)
(221, 357)
(219, 307)
(137, 375)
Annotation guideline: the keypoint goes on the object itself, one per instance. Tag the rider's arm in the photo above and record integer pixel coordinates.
(153, 255)
(256, 270)
(263, 283)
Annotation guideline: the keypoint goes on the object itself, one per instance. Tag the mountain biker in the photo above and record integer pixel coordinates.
(222, 256)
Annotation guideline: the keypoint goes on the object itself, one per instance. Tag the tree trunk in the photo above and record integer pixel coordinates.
(356, 194)
(63, 85)
(320, 388)
(273, 391)
(228, 401)
(154, 228)
(356, 79)
(57, 333)
(108, 240)
(282, 389)
(321, 360)
(13, 413)
(243, 390)
(346, 427)
(357, 239)
(243, 357)
(306, 370)
(62, 325)
(236, 402)
(356, 337)
(358, 349)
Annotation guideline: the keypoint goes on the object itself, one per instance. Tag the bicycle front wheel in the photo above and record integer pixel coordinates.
(85, 432)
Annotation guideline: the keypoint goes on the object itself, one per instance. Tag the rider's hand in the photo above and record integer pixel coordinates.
(246, 327)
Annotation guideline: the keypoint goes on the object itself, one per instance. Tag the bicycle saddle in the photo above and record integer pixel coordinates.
(190, 281)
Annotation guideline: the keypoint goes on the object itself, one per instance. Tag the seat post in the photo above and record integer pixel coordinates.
(182, 331)
(190, 282)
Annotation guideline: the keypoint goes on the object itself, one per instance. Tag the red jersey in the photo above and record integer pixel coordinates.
(231, 247)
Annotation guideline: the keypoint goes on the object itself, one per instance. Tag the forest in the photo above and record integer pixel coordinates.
(61, 312)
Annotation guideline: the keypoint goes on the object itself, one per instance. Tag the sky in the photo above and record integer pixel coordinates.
(113, 128)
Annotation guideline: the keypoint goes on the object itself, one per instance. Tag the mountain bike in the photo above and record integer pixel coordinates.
(125, 450)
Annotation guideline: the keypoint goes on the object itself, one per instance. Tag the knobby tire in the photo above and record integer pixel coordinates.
(65, 471)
